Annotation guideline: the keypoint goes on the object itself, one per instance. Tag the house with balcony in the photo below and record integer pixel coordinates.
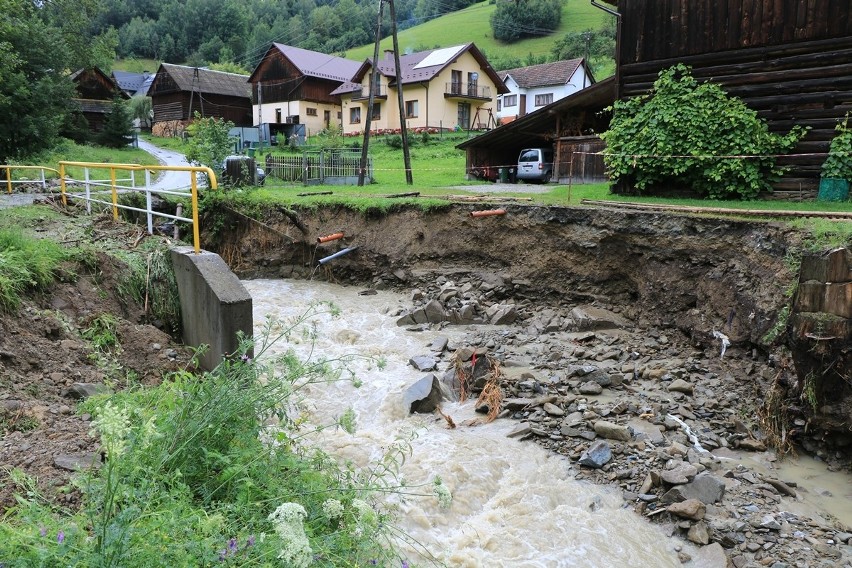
(531, 88)
(292, 91)
(443, 89)
(95, 92)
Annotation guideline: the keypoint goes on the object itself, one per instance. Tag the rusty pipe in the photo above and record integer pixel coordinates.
(337, 254)
(332, 237)
(488, 213)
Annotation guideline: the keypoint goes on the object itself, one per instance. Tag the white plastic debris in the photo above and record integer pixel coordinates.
(725, 341)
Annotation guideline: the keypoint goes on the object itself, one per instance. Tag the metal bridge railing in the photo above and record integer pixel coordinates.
(10, 181)
(97, 190)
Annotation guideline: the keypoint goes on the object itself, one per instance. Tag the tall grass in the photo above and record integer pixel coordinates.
(213, 469)
(26, 264)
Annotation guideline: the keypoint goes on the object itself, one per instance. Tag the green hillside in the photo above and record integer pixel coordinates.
(473, 25)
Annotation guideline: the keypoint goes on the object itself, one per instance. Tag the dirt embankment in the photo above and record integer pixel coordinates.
(694, 274)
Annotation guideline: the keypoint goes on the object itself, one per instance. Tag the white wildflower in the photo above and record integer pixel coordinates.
(113, 424)
(332, 508)
(445, 498)
(148, 432)
(364, 513)
(288, 520)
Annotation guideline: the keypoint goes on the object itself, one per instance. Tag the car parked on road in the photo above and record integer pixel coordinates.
(535, 165)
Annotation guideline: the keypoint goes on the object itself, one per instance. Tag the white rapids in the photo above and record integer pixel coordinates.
(514, 504)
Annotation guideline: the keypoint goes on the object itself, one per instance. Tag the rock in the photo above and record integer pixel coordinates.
(590, 387)
(434, 312)
(591, 318)
(439, 344)
(644, 430)
(423, 363)
(706, 487)
(500, 314)
(406, 319)
(424, 396)
(612, 431)
(752, 445)
(769, 522)
(710, 556)
(520, 430)
(679, 385)
(698, 533)
(85, 390)
(682, 473)
(692, 509)
(597, 456)
(77, 462)
(552, 409)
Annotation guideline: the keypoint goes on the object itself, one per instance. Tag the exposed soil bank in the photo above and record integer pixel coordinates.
(694, 274)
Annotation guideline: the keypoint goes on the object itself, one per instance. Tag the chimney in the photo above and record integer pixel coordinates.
(388, 54)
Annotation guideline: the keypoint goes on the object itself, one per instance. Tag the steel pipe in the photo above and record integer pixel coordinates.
(332, 237)
(337, 255)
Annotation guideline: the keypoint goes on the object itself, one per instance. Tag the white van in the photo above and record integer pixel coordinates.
(535, 164)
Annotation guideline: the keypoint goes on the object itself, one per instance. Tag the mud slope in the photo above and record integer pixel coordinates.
(696, 274)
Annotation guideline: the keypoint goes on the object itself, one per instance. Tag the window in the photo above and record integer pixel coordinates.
(541, 100)
(278, 116)
(411, 109)
(499, 105)
(377, 111)
(510, 100)
(311, 111)
(355, 115)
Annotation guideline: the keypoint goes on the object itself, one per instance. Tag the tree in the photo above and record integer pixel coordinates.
(34, 88)
(209, 142)
(141, 109)
(512, 21)
(695, 135)
(118, 127)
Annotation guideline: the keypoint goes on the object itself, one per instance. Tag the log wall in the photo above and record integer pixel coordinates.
(790, 60)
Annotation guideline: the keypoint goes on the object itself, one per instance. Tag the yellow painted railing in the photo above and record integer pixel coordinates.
(112, 186)
(10, 181)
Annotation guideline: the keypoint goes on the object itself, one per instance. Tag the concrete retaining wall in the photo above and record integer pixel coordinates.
(214, 304)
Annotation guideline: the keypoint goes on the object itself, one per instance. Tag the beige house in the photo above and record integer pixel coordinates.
(442, 89)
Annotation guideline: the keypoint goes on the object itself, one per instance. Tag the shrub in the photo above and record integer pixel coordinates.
(693, 134)
(512, 21)
(838, 164)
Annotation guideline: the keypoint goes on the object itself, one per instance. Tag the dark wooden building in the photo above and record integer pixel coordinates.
(178, 92)
(95, 94)
(790, 60)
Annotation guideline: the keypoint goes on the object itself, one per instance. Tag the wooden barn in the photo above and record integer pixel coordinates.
(790, 60)
(178, 92)
(95, 94)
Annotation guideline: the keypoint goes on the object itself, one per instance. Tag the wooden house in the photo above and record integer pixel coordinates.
(447, 88)
(178, 92)
(95, 94)
(790, 60)
(293, 90)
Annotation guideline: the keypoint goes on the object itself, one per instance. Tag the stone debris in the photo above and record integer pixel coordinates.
(651, 412)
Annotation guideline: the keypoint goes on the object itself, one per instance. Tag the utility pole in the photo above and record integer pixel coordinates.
(374, 73)
(402, 125)
(588, 37)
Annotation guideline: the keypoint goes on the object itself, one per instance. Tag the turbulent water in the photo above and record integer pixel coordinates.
(514, 505)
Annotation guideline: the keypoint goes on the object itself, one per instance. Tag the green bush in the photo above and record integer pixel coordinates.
(693, 134)
(838, 164)
(513, 21)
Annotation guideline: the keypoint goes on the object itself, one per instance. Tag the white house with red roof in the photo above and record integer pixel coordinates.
(536, 86)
